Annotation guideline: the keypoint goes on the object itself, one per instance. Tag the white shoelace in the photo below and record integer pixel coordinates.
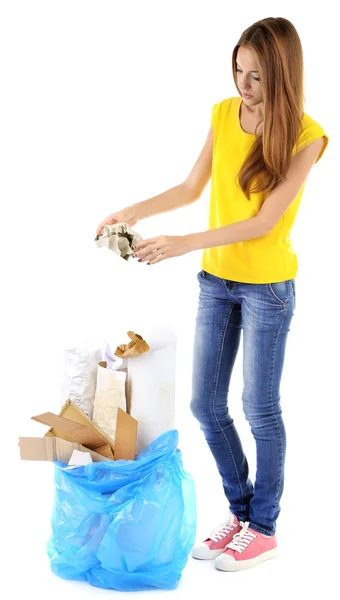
(242, 539)
(221, 531)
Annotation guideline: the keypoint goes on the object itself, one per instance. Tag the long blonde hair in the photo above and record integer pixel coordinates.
(277, 48)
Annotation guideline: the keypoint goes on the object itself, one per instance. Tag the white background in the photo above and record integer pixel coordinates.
(108, 103)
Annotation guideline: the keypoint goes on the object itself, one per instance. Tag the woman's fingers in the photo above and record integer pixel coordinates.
(157, 259)
(149, 249)
(143, 248)
(99, 229)
(145, 243)
(108, 221)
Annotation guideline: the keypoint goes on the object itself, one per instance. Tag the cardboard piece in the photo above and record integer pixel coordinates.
(124, 445)
(77, 429)
(126, 436)
(72, 431)
(62, 429)
(52, 449)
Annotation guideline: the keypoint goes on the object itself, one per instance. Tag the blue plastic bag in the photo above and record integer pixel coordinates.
(125, 525)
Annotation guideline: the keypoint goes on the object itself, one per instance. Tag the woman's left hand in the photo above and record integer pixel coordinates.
(156, 249)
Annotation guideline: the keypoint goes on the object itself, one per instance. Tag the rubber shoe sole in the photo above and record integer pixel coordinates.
(228, 563)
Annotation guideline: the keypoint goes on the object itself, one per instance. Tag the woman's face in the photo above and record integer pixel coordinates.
(248, 77)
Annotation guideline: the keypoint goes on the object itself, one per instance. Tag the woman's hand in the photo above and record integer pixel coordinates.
(157, 249)
(127, 215)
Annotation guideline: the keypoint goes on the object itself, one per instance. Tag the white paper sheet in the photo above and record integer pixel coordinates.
(79, 459)
(151, 386)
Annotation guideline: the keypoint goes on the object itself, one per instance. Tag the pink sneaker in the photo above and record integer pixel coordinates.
(247, 549)
(215, 544)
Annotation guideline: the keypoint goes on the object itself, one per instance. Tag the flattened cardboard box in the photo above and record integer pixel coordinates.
(73, 426)
(52, 449)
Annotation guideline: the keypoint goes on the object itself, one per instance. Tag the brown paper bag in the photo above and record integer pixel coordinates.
(136, 347)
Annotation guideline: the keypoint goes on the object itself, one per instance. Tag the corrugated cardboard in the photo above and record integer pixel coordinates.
(72, 431)
(124, 445)
(52, 449)
(126, 435)
(74, 413)
(73, 426)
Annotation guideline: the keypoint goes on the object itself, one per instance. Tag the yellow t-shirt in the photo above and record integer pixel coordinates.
(270, 258)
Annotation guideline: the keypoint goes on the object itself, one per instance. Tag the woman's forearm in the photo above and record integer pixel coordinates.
(229, 234)
(175, 197)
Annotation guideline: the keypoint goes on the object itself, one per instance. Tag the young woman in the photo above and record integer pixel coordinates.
(259, 151)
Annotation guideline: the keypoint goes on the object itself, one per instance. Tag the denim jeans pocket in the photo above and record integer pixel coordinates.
(280, 291)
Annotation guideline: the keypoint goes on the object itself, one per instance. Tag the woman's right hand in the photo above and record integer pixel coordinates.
(127, 215)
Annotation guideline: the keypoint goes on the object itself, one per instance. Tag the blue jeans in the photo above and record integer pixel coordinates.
(264, 313)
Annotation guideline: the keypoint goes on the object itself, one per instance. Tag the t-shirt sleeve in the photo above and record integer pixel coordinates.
(311, 132)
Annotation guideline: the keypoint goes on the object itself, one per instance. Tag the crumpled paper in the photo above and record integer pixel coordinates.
(119, 238)
(80, 377)
(136, 347)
